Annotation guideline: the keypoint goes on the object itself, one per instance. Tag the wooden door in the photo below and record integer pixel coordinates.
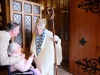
(62, 30)
(25, 13)
(84, 55)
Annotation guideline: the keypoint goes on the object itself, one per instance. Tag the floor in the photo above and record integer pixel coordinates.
(63, 69)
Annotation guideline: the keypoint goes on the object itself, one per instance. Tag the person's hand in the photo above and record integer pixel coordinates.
(31, 66)
(32, 55)
(55, 39)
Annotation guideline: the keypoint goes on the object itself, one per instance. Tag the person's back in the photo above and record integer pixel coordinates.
(4, 42)
(11, 30)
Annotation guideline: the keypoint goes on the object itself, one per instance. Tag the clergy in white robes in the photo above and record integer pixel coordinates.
(43, 47)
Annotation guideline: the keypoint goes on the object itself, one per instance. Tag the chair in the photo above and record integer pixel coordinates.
(28, 72)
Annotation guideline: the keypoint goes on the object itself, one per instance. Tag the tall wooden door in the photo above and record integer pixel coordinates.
(84, 55)
(25, 13)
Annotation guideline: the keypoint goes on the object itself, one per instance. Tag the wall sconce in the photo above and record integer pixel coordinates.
(42, 7)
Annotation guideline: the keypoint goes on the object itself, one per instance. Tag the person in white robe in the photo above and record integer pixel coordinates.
(43, 47)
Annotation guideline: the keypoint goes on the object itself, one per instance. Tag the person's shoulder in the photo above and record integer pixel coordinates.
(48, 31)
(3, 31)
(4, 34)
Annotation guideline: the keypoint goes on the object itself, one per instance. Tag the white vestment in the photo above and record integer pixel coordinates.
(46, 58)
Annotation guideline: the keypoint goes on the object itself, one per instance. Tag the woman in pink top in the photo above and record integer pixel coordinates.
(14, 50)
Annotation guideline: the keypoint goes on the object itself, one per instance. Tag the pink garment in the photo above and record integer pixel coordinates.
(36, 71)
(24, 65)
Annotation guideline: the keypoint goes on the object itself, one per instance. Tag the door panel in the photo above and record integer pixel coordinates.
(84, 25)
